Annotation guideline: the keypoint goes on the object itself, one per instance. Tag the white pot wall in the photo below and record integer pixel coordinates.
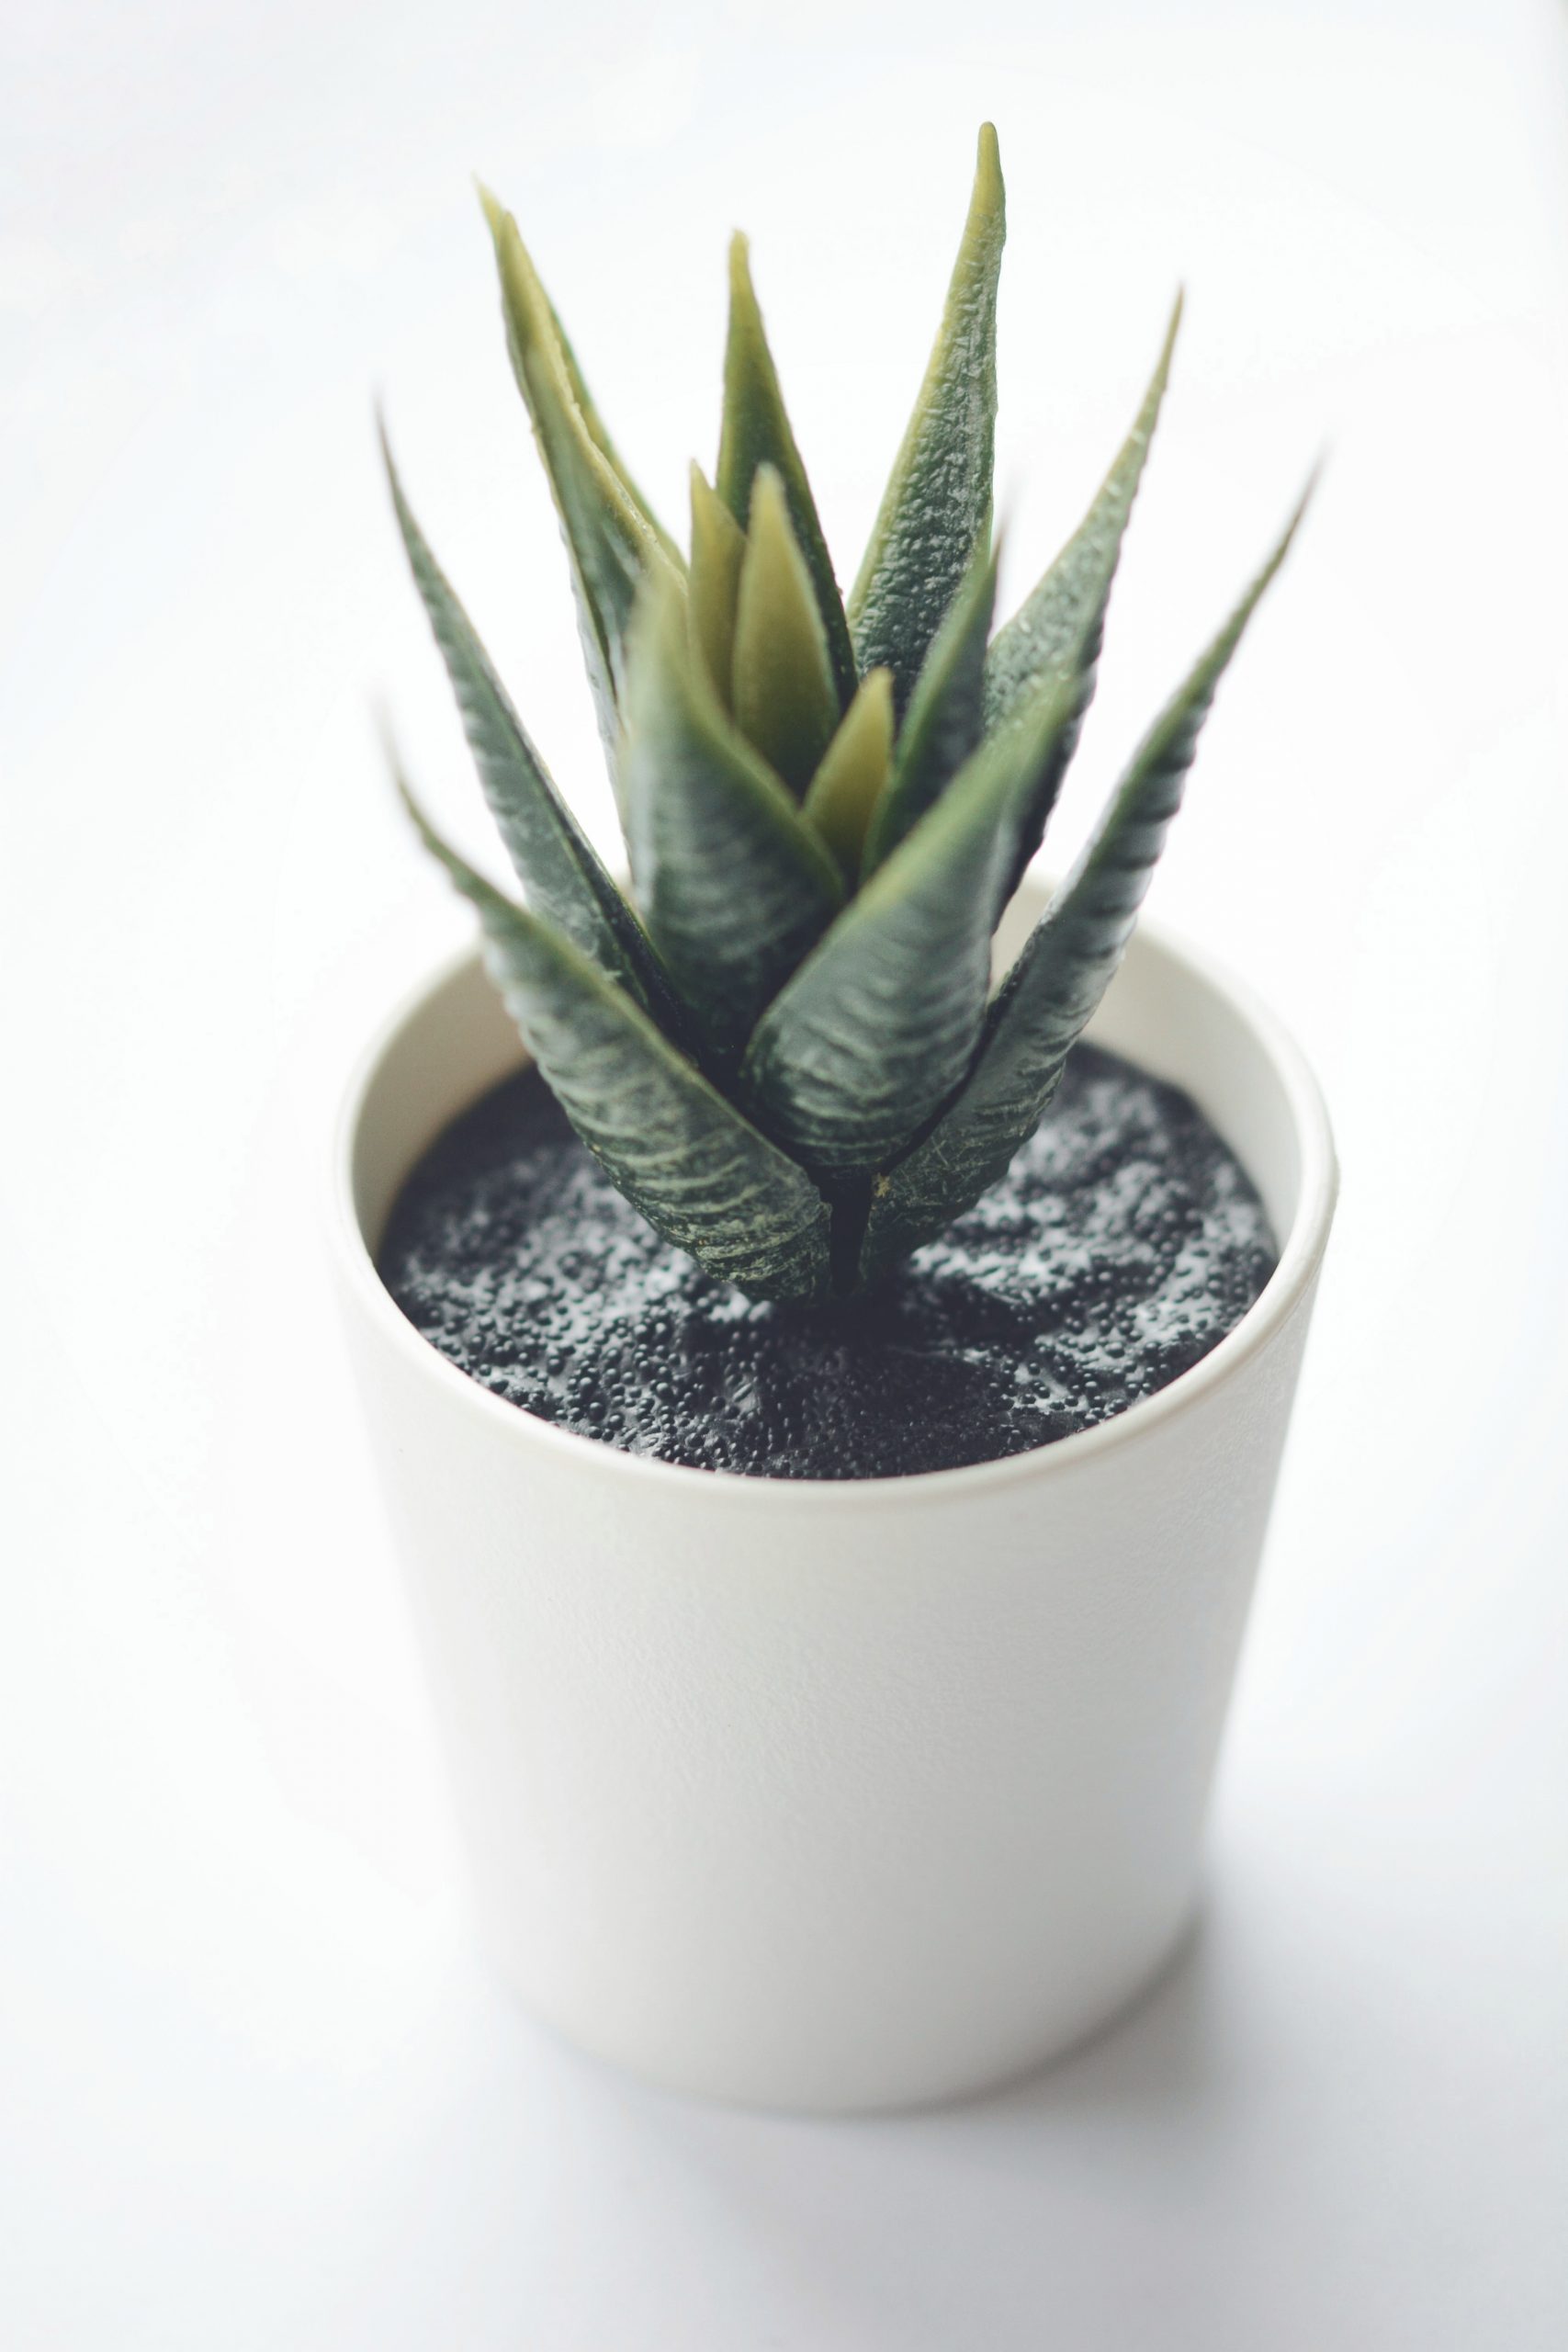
(836, 1794)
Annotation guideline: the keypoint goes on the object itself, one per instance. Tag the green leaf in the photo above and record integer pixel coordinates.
(598, 431)
(756, 431)
(718, 548)
(1060, 627)
(936, 511)
(878, 1026)
(853, 774)
(1063, 620)
(561, 876)
(784, 700)
(734, 885)
(683, 1155)
(942, 724)
(1064, 969)
(611, 541)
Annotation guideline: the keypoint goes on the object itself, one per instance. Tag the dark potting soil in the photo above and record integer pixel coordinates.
(1124, 1243)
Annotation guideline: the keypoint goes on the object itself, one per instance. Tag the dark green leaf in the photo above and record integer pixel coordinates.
(734, 885)
(1061, 976)
(1060, 627)
(756, 431)
(561, 876)
(718, 548)
(1063, 620)
(611, 541)
(683, 1155)
(878, 1026)
(936, 511)
(853, 775)
(942, 724)
(782, 687)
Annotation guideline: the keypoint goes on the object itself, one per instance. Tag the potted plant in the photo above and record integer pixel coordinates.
(830, 1447)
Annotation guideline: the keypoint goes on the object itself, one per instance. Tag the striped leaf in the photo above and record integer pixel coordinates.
(681, 1154)
(942, 724)
(1063, 620)
(733, 884)
(878, 1026)
(562, 878)
(936, 511)
(1064, 969)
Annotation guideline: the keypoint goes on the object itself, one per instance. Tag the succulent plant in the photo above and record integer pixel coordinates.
(788, 1053)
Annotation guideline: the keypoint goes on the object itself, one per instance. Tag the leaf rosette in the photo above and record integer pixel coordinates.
(784, 1045)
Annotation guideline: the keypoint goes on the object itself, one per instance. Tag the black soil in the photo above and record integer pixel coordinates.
(1124, 1243)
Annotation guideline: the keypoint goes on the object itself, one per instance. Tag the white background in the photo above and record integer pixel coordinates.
(255, 2095)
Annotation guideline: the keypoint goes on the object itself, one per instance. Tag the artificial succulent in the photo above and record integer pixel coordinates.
(784, 1049)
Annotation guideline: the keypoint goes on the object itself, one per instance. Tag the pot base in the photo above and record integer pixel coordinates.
(765, 2085)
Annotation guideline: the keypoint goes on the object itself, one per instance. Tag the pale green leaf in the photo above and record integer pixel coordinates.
(853, 775)
(756, 432)
(610, 540)
(781, 685)
(718, 548)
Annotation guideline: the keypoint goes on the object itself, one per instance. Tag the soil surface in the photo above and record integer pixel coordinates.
(1124, 1243)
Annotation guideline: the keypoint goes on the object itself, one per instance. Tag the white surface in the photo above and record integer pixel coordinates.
(853, 1794)
(253, 2091)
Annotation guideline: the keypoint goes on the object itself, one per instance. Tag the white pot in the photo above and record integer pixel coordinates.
(836, 1794)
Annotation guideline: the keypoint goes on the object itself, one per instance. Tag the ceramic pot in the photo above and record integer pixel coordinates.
(853, 1794)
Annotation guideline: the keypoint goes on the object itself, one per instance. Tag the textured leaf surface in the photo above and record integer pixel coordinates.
(756, 431)
(1063, 971)
(782, 694)
(681, 1154)
(936, 511)
(853, 775)
(733, 884)
(943, 721)
(561, 876)
(1063, 620)
(718, 549)
(610, 540)
(878, 1026)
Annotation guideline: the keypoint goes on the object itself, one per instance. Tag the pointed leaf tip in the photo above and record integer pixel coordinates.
(936, 510)
(1066, 965)
(853, 773)
(718, 550)
(561, 876)
(785, 701)
(756, 432)
(612, 534)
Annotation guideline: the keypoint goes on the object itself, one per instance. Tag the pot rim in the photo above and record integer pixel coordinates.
(1300, 1257)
